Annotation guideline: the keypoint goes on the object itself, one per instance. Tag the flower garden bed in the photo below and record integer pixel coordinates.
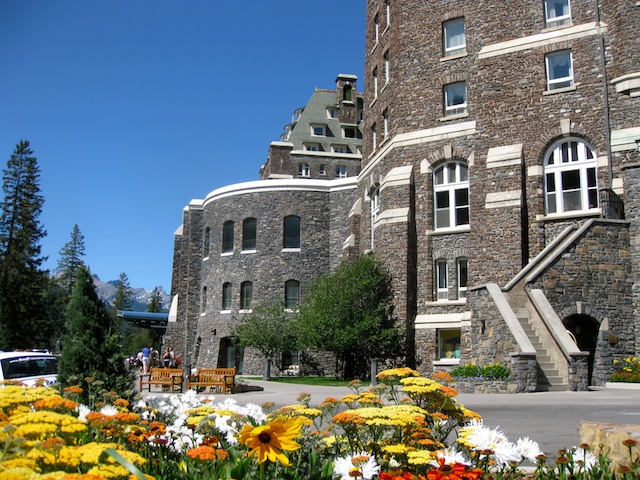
(406, 428)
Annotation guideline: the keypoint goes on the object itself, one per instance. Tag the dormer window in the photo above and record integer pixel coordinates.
(332, 112)
(349, 132)
(312, 147)
(319, 130)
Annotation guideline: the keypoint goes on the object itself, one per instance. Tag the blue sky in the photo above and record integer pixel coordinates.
(135, 107)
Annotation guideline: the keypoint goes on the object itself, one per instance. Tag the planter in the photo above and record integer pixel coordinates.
(494, 386)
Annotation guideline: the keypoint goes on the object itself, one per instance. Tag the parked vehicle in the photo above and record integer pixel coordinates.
(29, 367)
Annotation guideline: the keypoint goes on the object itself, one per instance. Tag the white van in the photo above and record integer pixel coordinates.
(29, 367)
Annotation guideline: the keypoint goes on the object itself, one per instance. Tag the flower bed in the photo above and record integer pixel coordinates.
(400, 429)
(627, 371)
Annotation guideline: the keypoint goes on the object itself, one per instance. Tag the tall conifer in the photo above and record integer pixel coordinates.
(71, 259)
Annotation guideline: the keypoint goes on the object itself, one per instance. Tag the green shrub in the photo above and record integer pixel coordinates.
(475, 373)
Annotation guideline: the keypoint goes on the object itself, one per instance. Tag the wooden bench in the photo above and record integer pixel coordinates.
(168, 378)
(223, 380)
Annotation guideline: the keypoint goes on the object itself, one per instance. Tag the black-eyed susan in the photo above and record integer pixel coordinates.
(267, 442)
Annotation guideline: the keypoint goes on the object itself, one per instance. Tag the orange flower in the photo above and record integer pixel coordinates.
(73, 389)
(395, 474)
(457, 471)
(121, 402)
(347, 418)
(205, 453)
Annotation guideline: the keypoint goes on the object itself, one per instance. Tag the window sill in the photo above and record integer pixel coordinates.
(205, 258)
(202, 314)
(454, 117)
(559, 26)
(246, 311)
(291, 250)
(449, 230)
(446, 361)
(226, 254)
(569, 215)
(245, 252)
(562, 90)
(453, 57)
(223, 312)
(449, 303)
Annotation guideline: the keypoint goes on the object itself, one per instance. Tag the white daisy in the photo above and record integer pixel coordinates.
(528, 449)
(451, 456)
(586, 458)
(360, 465)
(108, 410)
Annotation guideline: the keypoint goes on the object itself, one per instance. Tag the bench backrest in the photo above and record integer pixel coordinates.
(207, 374)
(165, 373)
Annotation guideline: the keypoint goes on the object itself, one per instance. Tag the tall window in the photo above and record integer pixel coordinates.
(291, 294)
(387, 67)
(375, 82)
(455, 98)
(462, 278)
(227, 237)
(570, 177)
(341, 171)
(246, 295)
(557, 12)
(454, 38)
(347, 93)
(249, 234)
(387, 5)
(375, 210)
(385, 123)
(204, 299)
(207, 241)
(291, 232)
(451, 188)
(376, 29)
(442, 291)
(559, 70)
(374, 138)
(227, 302)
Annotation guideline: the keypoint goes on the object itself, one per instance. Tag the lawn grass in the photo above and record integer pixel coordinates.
(319, 381)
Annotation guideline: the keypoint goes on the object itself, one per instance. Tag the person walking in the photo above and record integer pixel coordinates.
(146, 353)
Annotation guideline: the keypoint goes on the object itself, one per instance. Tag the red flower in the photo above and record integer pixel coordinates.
(395, 474)
(457, 471)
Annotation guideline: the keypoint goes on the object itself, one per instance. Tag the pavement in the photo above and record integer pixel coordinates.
(550, 418)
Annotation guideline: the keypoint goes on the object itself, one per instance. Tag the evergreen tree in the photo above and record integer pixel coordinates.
(23, 318)
(123, 299)
(91, 346)
(155, 303)
(71, 259)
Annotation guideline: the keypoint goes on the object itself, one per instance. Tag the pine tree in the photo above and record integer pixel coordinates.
(155, 303)
(123, 300)
(91, 344)
(71, 259)
(23, 318)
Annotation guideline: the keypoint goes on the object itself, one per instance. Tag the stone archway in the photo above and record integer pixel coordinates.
(584, 330)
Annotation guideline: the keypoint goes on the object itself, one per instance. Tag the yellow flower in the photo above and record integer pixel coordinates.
(268, 441)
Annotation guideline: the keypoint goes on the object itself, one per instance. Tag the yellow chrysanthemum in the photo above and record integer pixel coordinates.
(19, 473)
(268, 441)
(396, 449)
(420, 457)
(397, 373)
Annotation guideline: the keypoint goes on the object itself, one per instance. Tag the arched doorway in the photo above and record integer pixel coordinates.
(230, 355)
(584, 329)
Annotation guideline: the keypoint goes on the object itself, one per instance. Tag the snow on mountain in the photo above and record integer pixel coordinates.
(141, 296)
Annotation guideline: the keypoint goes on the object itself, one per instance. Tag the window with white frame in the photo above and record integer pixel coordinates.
(339, 148)
(374, 76)
(227, 237)
(442, 290)
(303, 169)
(291, 294)
(319, 130)
(557, 12)
(341, 171)
(454, 38)
(246, 295)
(455, 98)
(323, 169)
(462, 277)
(449, 343)
(387, 5)
(570, 177)
(332, 112)
(451, 190)
(387, 67)
(291, 232)
(312, 147)
(374, 138)
(227, 299)
(376, 29)
(375, 210)
(559, 70)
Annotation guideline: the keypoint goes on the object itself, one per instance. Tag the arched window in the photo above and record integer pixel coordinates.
(249, 234)
(451, 189)
(291, 294)
(227, 299)
(291, 232)
(347, 93)
(227, 237)
(207, 241)
(570, 180)
(246, 295)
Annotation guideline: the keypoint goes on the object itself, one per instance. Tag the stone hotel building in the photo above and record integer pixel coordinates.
(498, 178)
